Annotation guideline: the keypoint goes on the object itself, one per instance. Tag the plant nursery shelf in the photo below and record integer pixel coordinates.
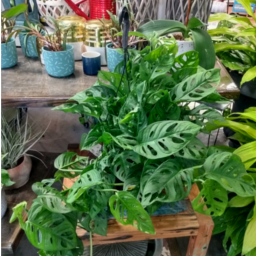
(28, 84)
(186, 223)
(12, 233)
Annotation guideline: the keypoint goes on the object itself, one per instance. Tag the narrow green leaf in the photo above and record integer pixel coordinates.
(249, 75)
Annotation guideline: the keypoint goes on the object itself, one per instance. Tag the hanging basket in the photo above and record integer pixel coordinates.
(59, 8)
(144, 10)
(177, 9)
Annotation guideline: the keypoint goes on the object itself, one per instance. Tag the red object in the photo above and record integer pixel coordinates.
(76, 9)
(98, 8)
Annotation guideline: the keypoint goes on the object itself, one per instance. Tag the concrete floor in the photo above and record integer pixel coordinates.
(65, 128)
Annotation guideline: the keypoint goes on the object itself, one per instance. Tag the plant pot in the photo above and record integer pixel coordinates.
(59, 64)
(101, 51)
(20, 174)
(185, 46)
(9, 57)
(113, 57)
(30, 49)
(3, 203)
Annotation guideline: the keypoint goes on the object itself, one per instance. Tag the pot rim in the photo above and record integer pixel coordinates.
(23, 159)
(69, 48)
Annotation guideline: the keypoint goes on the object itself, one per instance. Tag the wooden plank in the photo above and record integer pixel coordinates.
(198, 245)
(12, 233)
(173, 247)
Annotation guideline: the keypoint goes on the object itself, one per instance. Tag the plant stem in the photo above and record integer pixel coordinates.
(188, 12)
(91, 245)
(116, 184)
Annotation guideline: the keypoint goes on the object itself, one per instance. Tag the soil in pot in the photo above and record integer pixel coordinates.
(20, 174)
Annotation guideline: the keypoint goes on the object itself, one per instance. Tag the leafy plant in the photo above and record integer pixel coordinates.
(7, 21)
(235, 41)
(150, 156)
(193, 30)
(233, 213)
(16, 140)
(5, 178)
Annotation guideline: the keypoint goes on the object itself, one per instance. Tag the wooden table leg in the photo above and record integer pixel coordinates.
(198, 245)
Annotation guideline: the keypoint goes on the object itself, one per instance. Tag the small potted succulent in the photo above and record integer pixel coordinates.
(58, 56)
(16, 140)
(5, 181)
(9, 57)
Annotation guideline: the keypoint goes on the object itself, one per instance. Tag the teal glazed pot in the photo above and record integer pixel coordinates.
(59, 64)
(9, 57)
(113, 57)
(30, 49)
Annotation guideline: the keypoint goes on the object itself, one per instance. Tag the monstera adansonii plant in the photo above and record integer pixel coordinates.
(150, 156)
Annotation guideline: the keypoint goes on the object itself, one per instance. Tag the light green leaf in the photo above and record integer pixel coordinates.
(123, 202)
(212, 199)
(238, 201)
(226, 46)
(14, 11)
(249, 75)
(247, 5)
(219, 16)
(5, 178)
(228, 170)
(162, 139)
(195, 23)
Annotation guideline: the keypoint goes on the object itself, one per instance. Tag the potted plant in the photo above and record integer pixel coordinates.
(9, 56)
(16, 140)
(5, 181)
(233, 211)
(192, 37)
(234, 42)
(58, 56)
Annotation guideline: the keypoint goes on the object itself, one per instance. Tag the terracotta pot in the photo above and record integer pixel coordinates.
(3, 203)
(20, 174)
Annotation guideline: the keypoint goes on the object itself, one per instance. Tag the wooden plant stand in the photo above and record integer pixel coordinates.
(184, 224)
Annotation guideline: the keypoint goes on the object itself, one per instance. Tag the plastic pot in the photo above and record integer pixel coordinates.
(9, 57)
(59, 64)
(185, 46)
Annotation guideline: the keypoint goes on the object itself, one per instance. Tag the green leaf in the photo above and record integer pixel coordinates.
(124, 202)
(17, 213)
(161, 27)
(249, 237)
(186, 60)
(196, 87)
(204, 46)
(70, 161)
(247, 153)
(123, 163)
(133, 33)
(85, 181)
(247, 32)
(14, 11)
(249, 75)
(247, 5)
(238, 201)
(226, 46)
(219, 16)
(49, 231)
(168, 183)
(5, 178)
(162, 139)
(212, 199)
(195, 23)
(228, 170)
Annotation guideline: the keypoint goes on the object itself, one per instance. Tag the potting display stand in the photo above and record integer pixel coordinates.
(28, 84)
(12, 233)
(186, 223)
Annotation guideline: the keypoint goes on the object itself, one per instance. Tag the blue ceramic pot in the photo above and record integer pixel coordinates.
(113, 57)
(9, 57)
(59, 64)
(29, 50)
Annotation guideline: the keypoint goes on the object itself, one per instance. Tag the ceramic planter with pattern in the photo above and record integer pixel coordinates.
(9, 57)
(59, 64)
(29, 47)
(113, 57)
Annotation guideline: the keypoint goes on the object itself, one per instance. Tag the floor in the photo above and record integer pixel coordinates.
(62, 129)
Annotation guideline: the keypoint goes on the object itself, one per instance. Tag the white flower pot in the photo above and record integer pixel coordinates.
(3, 203)
(185, 46)
(100, 50)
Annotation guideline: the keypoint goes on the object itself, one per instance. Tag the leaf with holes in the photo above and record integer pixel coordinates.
(49, 231)
(51, 199)
(185, 61)
(94, 106)
(94, 91)
(212, 199)
(194, 150)
(132, 117)
(71, 162)
(228, 170)
(196, 87)
(85, 181)
(128, 211)
(162, 139)
(164, 109)
(168, 183)
(125, 141)
(124, 162)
